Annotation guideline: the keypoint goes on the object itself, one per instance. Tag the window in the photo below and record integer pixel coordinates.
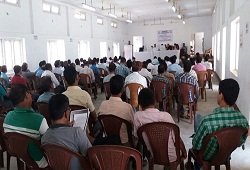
(234, 47)
(79, 15)
(103, 49)
(113, 24)
(12, 2)
(99, 21)
(215, 47)
(56, 50)
(223, 53)
(116, 48)
(12, 52)
(218, 46)
(51, 8)
(83, 49)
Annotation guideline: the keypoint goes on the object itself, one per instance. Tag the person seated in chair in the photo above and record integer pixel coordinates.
(17, 78)
(25, 121)
(149, 114)
(115, 106)
(223, 116)
(47, 89)
(61, 131)
(112, 68)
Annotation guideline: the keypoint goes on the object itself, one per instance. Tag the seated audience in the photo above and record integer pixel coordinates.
(76, 95)
(185, 77)
(135, 77)
(115, 106)
(47, 89)
(78, 66)
(24, 120)
(199, 66)
(149, 114)
(4, 76)
(61, 131)
(26, 72)
(112, 68)
(58, 68)
(223, 116)
(144, 72)
(174, 66)
(95, 70)
(17, 78)
(166, 73)
(122, 69)
(207, 64)
(87, 70)
(39, 71)
(102, 65)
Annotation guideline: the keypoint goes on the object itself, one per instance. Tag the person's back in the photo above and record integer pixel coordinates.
(24, 120)
(122, 69)
(47, 89)
(115, 106)
(5, 76)
(223, 116)
(174, 66)
(112, 68)
(207, 64)
(150, 114)
(61, 131)
(17, 79)
(144, 72)
(199, 66)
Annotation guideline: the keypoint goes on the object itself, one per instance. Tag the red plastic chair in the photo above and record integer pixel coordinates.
(44, 110)
(113, 157)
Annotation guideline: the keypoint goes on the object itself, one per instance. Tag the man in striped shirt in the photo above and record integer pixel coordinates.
(25, 121)
(122, 69)
(223, 116)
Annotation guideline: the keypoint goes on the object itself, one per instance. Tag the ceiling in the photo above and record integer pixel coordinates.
(149, 10)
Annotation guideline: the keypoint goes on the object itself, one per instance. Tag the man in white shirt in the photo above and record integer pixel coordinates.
(48, 72)
(89, 71)
(58, 68)
(78, 67)
(207, 64)
(144, 72)
(135, 77)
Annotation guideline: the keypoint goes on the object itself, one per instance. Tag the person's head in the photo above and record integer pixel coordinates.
(116, 85)
(146, 98)
(166, 58)
(69, 61)
(77, 61)
(164, 63)
(112, 68)
(86, 63)
(71, 76)
(65, 64)
(149, 60)
(173, 59)
(101, 60)
(228, 92)
(24, 67)
(129, 63)
(187, 66)
(81, 60)
(135, 68)
(93, 61)
(59, 108)
(42, 63)
(123, 60)
(72, 65)
(144, 64)
(17, 70)
(46, 84)
(206, 58)
(48, 66)
(192, 61)
(115, 59)
(4, 69)
(198, 59)
(161, 69)
(183, 44)
(197, 54)
(20, 96)
(57, 63)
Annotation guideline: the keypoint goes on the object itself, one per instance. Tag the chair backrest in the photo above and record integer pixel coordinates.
(183, 89)
(33, 83)
(209, 75)
(173, 72)
(86, 81)
(228, 140)
(113, 157)
(76, 107)
(157, 135)
(2, 144)
(59, 157)
(133, 89)
(107, 91)
(158, 87)
(103, 72)
(17, 145)
(4, 83)
(43, 109)
(201, 75)
(112, 125)
(59, 78)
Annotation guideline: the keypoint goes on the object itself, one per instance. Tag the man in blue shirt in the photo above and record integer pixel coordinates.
(122, 69)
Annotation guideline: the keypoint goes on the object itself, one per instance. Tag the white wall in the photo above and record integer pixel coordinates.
(29, 20)
(232, 10)
(181, 33)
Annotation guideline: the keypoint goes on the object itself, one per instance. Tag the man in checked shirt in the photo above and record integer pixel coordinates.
(223, 116)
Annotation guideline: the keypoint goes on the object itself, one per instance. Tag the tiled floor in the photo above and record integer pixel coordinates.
(240, 158)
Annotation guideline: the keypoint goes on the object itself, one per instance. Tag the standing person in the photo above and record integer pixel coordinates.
(223, 116)
(25, 121)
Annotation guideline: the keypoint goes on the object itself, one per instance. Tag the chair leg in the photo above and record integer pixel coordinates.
(228, 167)
(205, 94)
(150, 164)
(8, 161)
(20, 164)
(178, 111)
(189, 161)
(1, 160)
(217, 167)
(191, 108)
(182, 165)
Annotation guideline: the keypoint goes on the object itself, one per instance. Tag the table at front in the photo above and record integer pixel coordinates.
(142, 56)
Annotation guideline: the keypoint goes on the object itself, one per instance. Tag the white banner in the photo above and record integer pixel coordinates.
(165, 35)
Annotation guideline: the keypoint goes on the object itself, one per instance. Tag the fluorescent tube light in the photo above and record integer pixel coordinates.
(88, 7)
(179, 16)
(183, 22)
(112, 15)
(129, 21)
(173, 8)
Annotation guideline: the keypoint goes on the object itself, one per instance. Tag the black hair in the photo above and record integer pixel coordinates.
(17, 93)
(112, 67)
(144, 64)
(46, 83)
(24, 67)
(187, 65)
(230, 90)
(57, 63)
(4, 69)
(135, 68)
(58, 104)
(70, 75)
(161, 69)
(146, 98)
(42, 63)
(69, 61)
(48, 66)
(116, 84)
(198, 59)
(17, 69)
(173, 59)
(77, 61)
(129, 63)
(123, 59)
(206, 58)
